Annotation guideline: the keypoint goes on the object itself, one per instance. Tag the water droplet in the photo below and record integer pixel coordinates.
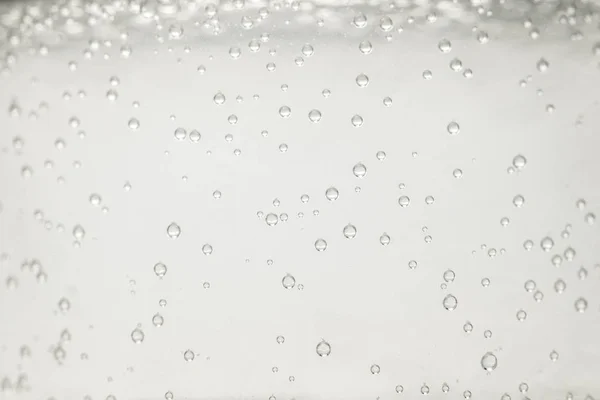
(521, 315)
(523, 387)
(581, 304)
(207, 249)
(323, 348)
(560, 286)
(449, 275)
(365, 47)
(453, 128)
(169, 396)
(189, 355)
(357, 121)
(445, 388)
(468, 327)
(450, 302)
(95, 199)
(375, 369)
(360, 20)
(180, 134)
(518, 201)
(285, 111)
(280, 339)
(424, 389)
(404, 201)
(271, 219)
(530, 285)
(542, 65)
(399, 388)
(553, 355)
(359, 170)
(332, 194)
(489, 362)
(320, 245)
(519, 162)
(288, 281)
(528, 244)
(445, 46)
(137, 335)
(314, 116)
(349, 231)
(133, 124)
(160, 269)
(547, 243)
(362, 80)
(590, 218)
(384, 239)
(173, 230)
(158, 320)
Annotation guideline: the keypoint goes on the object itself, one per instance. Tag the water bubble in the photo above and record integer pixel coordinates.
(424, 389)
(162, 303)
(173, 230)
(384, 239)
(95, 199)
(332, 194)
(326, 93)
(453, 128)
(580, 204)
(455, 65)
(538, 296)
(427, 74)
(504, 221)
(112, 95)
(468, 327)
(560, 286)
(78, 232)
(219, 98)
(530, 285)
(375, 369)
(489, 361)
(467, 394)
(362, 80)
(404, 201)
(429, 200)
(280, 339)
(285, 111)
(160, 269)
(189, 355)
(288, 281)
(547, 243)
(323, 348)
(450, 302)
(449, 275)
(133, 124)
(158, 320)
(180, 134)
(542, 65)
(445, 388)
(518, 201)
(553, 355)
(169, 396)
(359, 170)
(320, 245)
(569, 253)
(581, 304)
(412, 264)
(307, 50)
(519, 161)
(271, 219)
(365, 47)
(349, 231)
(387, 101)
(59, 354)
(357, 121)
(590, 218)
(445, 45)
(360, 20)
(399, 388)
(314, 116)
(235, 52)
(207, 249)
(528, 245)
(137, 335)
(523, 387)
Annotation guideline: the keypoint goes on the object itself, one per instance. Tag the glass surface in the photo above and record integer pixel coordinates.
(299, 200)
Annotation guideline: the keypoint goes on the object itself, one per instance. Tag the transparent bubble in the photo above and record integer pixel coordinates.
(553, 355)
(285, 111)
(489, 361)
(521, 315)
(219, 98)
(445, 388)
(453, 128)
(189, 355)
(580, 204)
(445, 46)
(332, 194)
(95, 199)
(404, 201)
(308, 50)
(169, 396)
(427, 74)
(288, 281)
(380, 155)
(538, 296)
(362, 80)
(375, 369)
(320, 245)
(158, 320)
(180, 134)
(207, 249)
(518, 201)
(235, 52)
(449, 275)
(523, 387)
(349, 231)
(590, 218)
(384, 239)
(542, 65)
(547, 243)
(78, 232)
(160, 269)
(357, 121)
(456, 65)
(424, 389)
(399, 388)
(581, 304)
(530, 285)
(429, 200)
(173, 230)
(359, 170)
(271, 219)
(137, 336)
(365, 47)
(360, 20)
(519, 161)
(323, 348)
(468, 327)
(450, 302)
(314, 116)
(560, 286)
(133, 124)
(528, 245)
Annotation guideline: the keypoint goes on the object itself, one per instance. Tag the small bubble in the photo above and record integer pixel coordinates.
(456, 65)
(332, 194)
(553, 355)
(590, 218)
(169, 396)
(95, 199)
(445, 46)
(468, 327)
(288, 281)
(450, 302)
(158, 320)
(359, 170)
(518, 201)
(542, 65)
(560, 286)
(580, 204)
(314, 116)
(137, 335)
(449, 275)
(547, 243)
(581, 304)
(360, 20)
(285, 111)
(404, 201)
(173, 230)
(399, 388)
(160, 269)
(530, 286)
(528, 245)
(427, 74)
(365, 47)
(424, 389)
(489, 362)
(375, 369)
(133, 124)
(308, 50)
(362, 80)
(189, 355)
(445, 388)
(519, 162)
(538, 296)
(453, 128)
(320, 245)
(323, 348)
(349, 231)
(357, 121)
(521, 315)
(384, 239)
(180, 134)
(523, 387)
(78, 232)
(271, 219)
(219, 98)
(207, 249)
